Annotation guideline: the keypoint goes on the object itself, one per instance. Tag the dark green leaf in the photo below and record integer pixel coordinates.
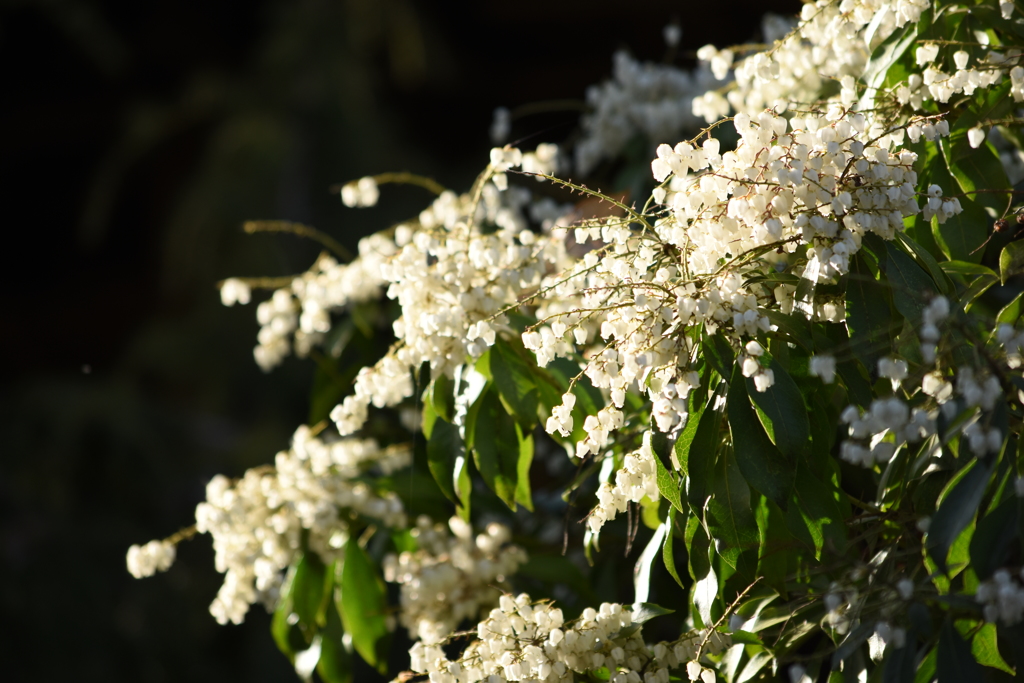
(992, 538)
(869, 314)
(718, 354)
(815, 516)
(926, 670)
(497, 446)
(957, 510)
(335, 665)
(776, 544)
(697, 458)
(782, 412)
(364, 606)
(900, 665)
(912, 288)
(730, 519)
(1011, 261)
(927, 260)
(524, 496)
(311, 589)
(955, 661)
(442, 397)
(443, 448)
(762, 464)
(515, 382)
(965, 268)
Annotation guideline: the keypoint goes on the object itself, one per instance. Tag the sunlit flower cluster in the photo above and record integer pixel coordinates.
(525, 641)
(451, 577)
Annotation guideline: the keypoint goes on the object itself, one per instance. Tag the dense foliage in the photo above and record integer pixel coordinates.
(782, 361)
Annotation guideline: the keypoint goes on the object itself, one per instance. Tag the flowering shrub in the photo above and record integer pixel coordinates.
(796, 359)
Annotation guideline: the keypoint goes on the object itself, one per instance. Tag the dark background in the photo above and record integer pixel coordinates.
(134, 140)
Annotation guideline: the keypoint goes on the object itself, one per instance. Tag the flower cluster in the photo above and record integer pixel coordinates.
(1002, 598)
(302, 310)
(257, 522)
(454, 280)
(525, 641)
(451, 577)
(635, 480)
(146, 560)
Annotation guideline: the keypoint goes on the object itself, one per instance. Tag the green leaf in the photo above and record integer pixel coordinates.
(1010, 313)
(646, 611)
(961, 235)
(287, 635)
(718, 354)
(869, 314)
(955, 661)
(497, 446)
(965, 268)
(926, 670)
(1011, 261)
(335, 665)
(523, 494)
(992, 539)
(959, 504)
(515, 382)
(311, 589)
(668, 552)
(776, 544)
(668, 486)
(782, 412)
(442, 397)
(978, 172)
(815, 516)
(927, 260)
(705, 592)
(730, 520)
(761, 463)
(985, 648)
(364, 607)
(911, 285)
(697, 457)
(443, 448)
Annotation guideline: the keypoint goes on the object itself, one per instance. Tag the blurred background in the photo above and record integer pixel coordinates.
(135, 138)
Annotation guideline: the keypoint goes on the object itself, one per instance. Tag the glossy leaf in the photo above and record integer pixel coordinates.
(782, 413)
(730, 519)
(442, 397)
(311, 588)
(444, 447)
(335, 664)
(642, 569)
(515, 382)
(496, 447)
(1011, 261)
(697, 457)
(364, 606)
(957, 510)
(1010, 313)
(764, 467)
(992, 538)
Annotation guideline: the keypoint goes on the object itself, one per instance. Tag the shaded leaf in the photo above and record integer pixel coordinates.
(782, 412)
(957, 510)
(496, 446)
(955, 661)
(515, 382)
(1011, 261)
(869, 315)
(668, 552)
(442, 397)
(761, 463)
(443, 448)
